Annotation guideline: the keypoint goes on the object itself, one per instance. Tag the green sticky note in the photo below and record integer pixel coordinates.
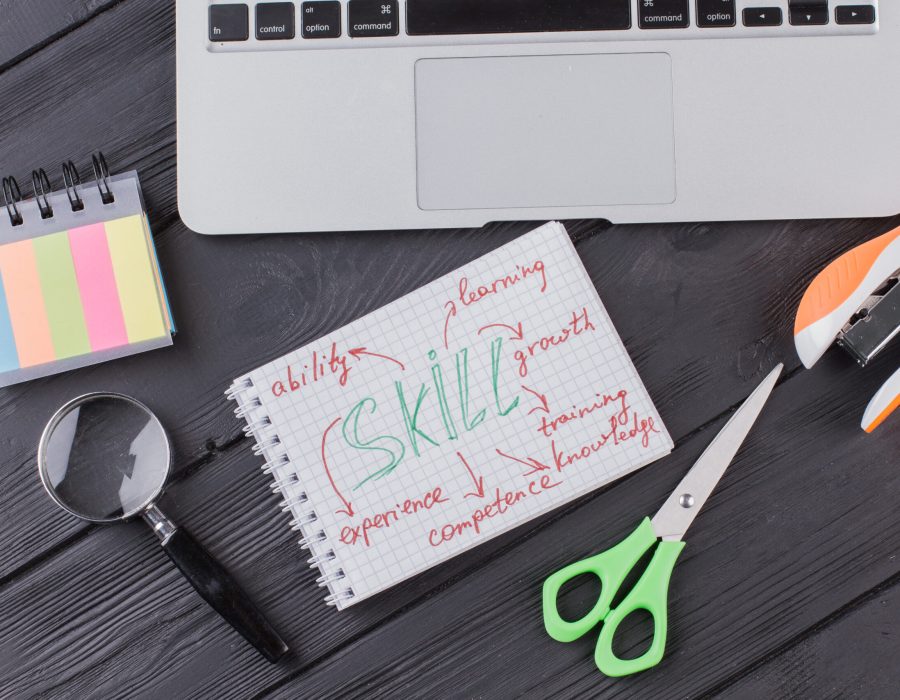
(62, 298)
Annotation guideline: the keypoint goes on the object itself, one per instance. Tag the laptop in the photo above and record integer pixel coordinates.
(333, 115)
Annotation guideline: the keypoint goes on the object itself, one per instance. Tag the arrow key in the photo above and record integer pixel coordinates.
(763, 17)
(855, 14)
(809, 15)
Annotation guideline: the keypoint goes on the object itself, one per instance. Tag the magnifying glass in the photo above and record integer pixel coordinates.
(106, 458)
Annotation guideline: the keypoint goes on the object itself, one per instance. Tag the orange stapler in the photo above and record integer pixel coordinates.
(855, 301)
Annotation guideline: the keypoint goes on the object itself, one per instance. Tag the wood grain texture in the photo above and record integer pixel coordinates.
(25, 27)
(854, 657)
(704, 310)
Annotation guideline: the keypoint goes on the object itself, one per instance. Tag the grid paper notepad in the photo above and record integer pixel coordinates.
(484, 399)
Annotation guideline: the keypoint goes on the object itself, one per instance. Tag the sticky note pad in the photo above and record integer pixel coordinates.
(77, 290)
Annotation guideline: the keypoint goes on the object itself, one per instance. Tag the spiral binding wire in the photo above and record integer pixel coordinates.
(12, 195)
(42, 189)
(72, 180)
(40, 183)
(286, 482)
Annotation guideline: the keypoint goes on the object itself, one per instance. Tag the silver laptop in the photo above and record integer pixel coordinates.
(335, 115)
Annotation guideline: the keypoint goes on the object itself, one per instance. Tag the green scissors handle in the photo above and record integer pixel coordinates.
(612, 567)
(651, 592)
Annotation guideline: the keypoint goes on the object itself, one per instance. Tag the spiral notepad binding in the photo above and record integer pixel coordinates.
(286, 481)
(42, 189)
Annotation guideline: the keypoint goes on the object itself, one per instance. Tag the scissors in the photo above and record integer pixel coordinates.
(667, 527)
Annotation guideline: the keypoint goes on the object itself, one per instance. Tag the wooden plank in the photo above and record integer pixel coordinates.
(854, 656)
(785, 542)
(26, 26)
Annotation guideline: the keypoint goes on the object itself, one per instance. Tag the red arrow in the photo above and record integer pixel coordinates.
(451, 314)
(545, 407)
(358, 353)
(530, 462)
(479, 481)
(348, 507)
(517, 332)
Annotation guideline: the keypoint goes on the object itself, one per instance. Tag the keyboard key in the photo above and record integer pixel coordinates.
(715, 13)
(321, 19)
(370, 18)
(438, 17)
(855, 14)
(229, 22)
(809, 14)
(664, 14)
(763, 17)
(275, 20)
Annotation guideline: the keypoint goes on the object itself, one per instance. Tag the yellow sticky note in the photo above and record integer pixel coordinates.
(135, 278)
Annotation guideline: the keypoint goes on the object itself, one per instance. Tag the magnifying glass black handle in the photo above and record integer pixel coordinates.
(221, 591)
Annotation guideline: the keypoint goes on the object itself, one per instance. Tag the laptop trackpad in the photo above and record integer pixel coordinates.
(545, 131)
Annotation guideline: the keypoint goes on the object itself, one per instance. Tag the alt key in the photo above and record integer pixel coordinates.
(715, 13)
(321, 19)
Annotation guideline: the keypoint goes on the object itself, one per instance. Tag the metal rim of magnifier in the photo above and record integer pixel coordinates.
(62, 413)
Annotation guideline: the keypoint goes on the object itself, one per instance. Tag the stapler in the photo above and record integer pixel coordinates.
(855, 302)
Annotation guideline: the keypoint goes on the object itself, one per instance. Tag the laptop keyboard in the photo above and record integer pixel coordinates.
(365, 23)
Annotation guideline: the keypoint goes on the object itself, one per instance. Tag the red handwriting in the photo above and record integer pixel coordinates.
(634, 427)
(359, 353)
(356, 534)
(545, 407)
(517, 331)
(468, 295)
(317, 369)
(450, 306)
(502, 503)
(322, 365)
(478, 481)
(579, 323)
(348, 507)
(619, 401)
(533, 465)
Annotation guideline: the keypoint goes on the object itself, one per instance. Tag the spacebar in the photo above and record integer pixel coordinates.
(436, 17)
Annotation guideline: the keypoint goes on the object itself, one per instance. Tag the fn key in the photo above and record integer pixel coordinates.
(229, 22)
(371, 18)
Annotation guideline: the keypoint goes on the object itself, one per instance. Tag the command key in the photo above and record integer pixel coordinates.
(370, 18)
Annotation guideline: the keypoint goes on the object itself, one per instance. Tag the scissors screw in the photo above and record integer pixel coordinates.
(686, 500)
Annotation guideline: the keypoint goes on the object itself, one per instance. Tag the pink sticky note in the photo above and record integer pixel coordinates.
(97, 283)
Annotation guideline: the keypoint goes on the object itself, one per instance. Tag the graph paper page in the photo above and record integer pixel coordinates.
(484, 399)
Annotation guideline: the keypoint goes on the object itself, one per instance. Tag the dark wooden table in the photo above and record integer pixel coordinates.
(789, 586)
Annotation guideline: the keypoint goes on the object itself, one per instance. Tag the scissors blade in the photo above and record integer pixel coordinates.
(679, 511)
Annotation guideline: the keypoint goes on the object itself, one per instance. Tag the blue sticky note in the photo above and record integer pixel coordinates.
(9, 356)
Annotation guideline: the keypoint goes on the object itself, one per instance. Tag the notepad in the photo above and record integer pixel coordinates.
(79, 287)
(485, 399)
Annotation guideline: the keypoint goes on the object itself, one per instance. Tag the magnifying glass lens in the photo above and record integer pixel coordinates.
(105, 458)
